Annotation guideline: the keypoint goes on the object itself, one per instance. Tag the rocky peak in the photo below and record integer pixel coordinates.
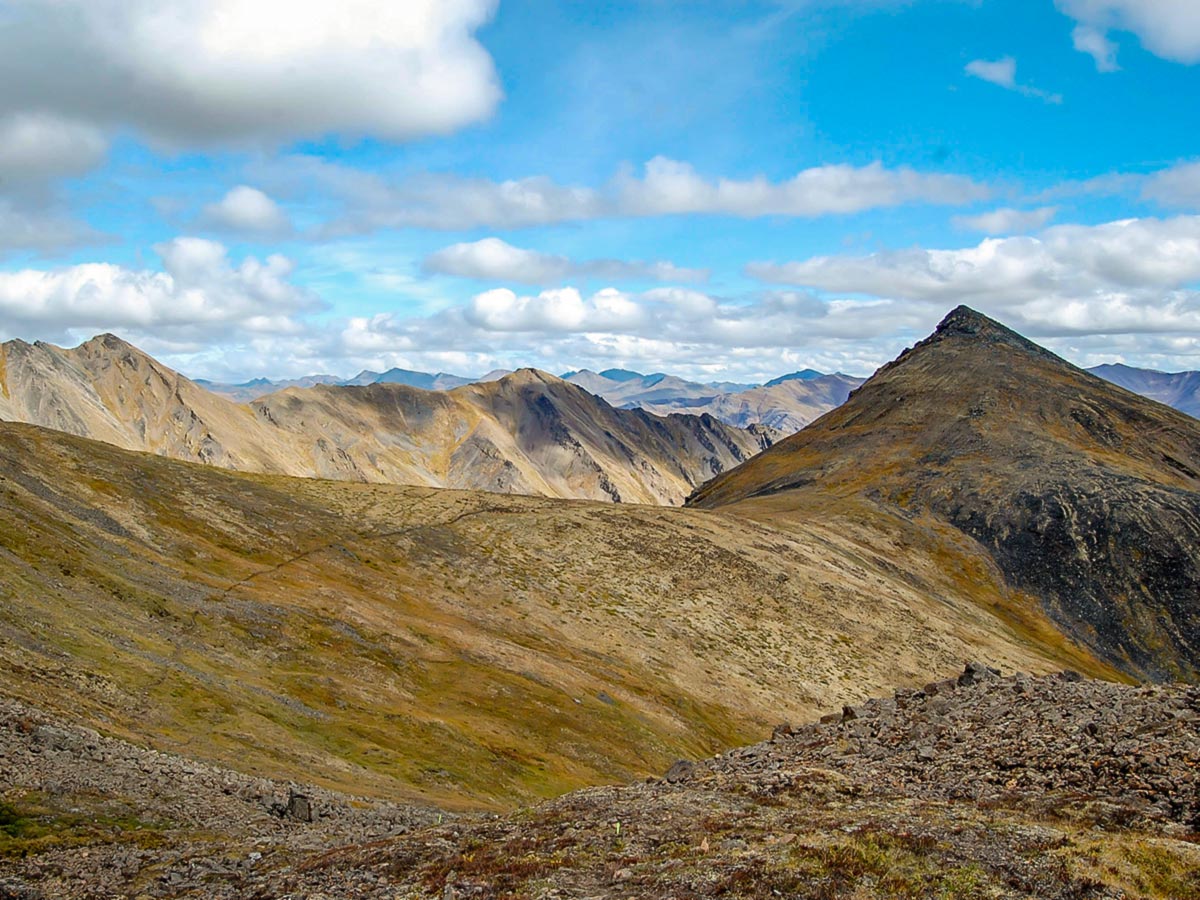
(965, 324)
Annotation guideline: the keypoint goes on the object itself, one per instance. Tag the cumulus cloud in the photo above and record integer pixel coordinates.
(1134, 275)
(250, 70)
(247, 209)
(664, 187)
(199, 292)
(1130, 278)
(1167, 28)
(773, 319)
(1003, 73)
(1007, 220)
(492, 259)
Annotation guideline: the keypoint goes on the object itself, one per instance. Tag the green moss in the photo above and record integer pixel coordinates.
(33, 825)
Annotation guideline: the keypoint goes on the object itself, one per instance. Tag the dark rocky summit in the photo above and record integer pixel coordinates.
(983, 786)
(1085, 495)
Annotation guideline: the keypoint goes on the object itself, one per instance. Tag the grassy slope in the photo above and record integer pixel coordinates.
(463, 648)
(1086, 495)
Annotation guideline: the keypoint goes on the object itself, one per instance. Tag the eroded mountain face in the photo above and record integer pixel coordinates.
(527, 432)
(1086, 496)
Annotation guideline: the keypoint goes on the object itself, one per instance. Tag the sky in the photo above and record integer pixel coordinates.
(719, 190)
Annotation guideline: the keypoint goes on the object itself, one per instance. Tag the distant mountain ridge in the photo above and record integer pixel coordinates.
(657, 392)
(787, 403)
(1180, 390)
(527, 432)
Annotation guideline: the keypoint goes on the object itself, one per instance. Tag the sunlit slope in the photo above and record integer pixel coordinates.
(466, 648)
(526, 433)
(1085, 495)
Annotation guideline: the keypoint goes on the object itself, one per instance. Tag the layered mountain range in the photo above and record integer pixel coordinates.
(527, 432)
(808, 394)
(976, 499)
(787, 403)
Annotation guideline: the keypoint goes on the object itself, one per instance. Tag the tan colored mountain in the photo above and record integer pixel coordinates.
(466, 648)
(525, 433)
(1086, 496)
(785, 405)
(109, 390)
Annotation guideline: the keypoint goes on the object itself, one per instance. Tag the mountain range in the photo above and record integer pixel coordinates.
(168, 581)
(1180, 390)
(527, 432)
(786, 403)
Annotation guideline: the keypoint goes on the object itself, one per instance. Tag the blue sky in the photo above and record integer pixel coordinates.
(721, 190)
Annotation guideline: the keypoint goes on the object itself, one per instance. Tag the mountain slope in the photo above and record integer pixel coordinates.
(109, 390)
(455, 647)
(1086, 496)
(1051, 788)
(523, 433)
(1178, 389)
(527, 433)
(787, 404)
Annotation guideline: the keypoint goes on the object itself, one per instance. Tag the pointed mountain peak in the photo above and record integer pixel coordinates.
(970, 331)
(108, 341)
(526, 377)
(964, 320)
(529, 376)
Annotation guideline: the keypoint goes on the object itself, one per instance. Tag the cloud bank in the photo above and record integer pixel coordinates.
(220, 71)
(1127, 276)
(199, 294)
(664, 187)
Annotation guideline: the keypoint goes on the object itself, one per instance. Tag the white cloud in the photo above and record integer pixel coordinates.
(201, 71)
(1096, 44)
(559, 310)
(1167, 28)
(212, 316)
(1135, 275)
(247, 209)
(665, 187)
(496, 260)
(1007, 221)
(1003, 72)
(198, 292)
(668, 186)
(666, 329)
